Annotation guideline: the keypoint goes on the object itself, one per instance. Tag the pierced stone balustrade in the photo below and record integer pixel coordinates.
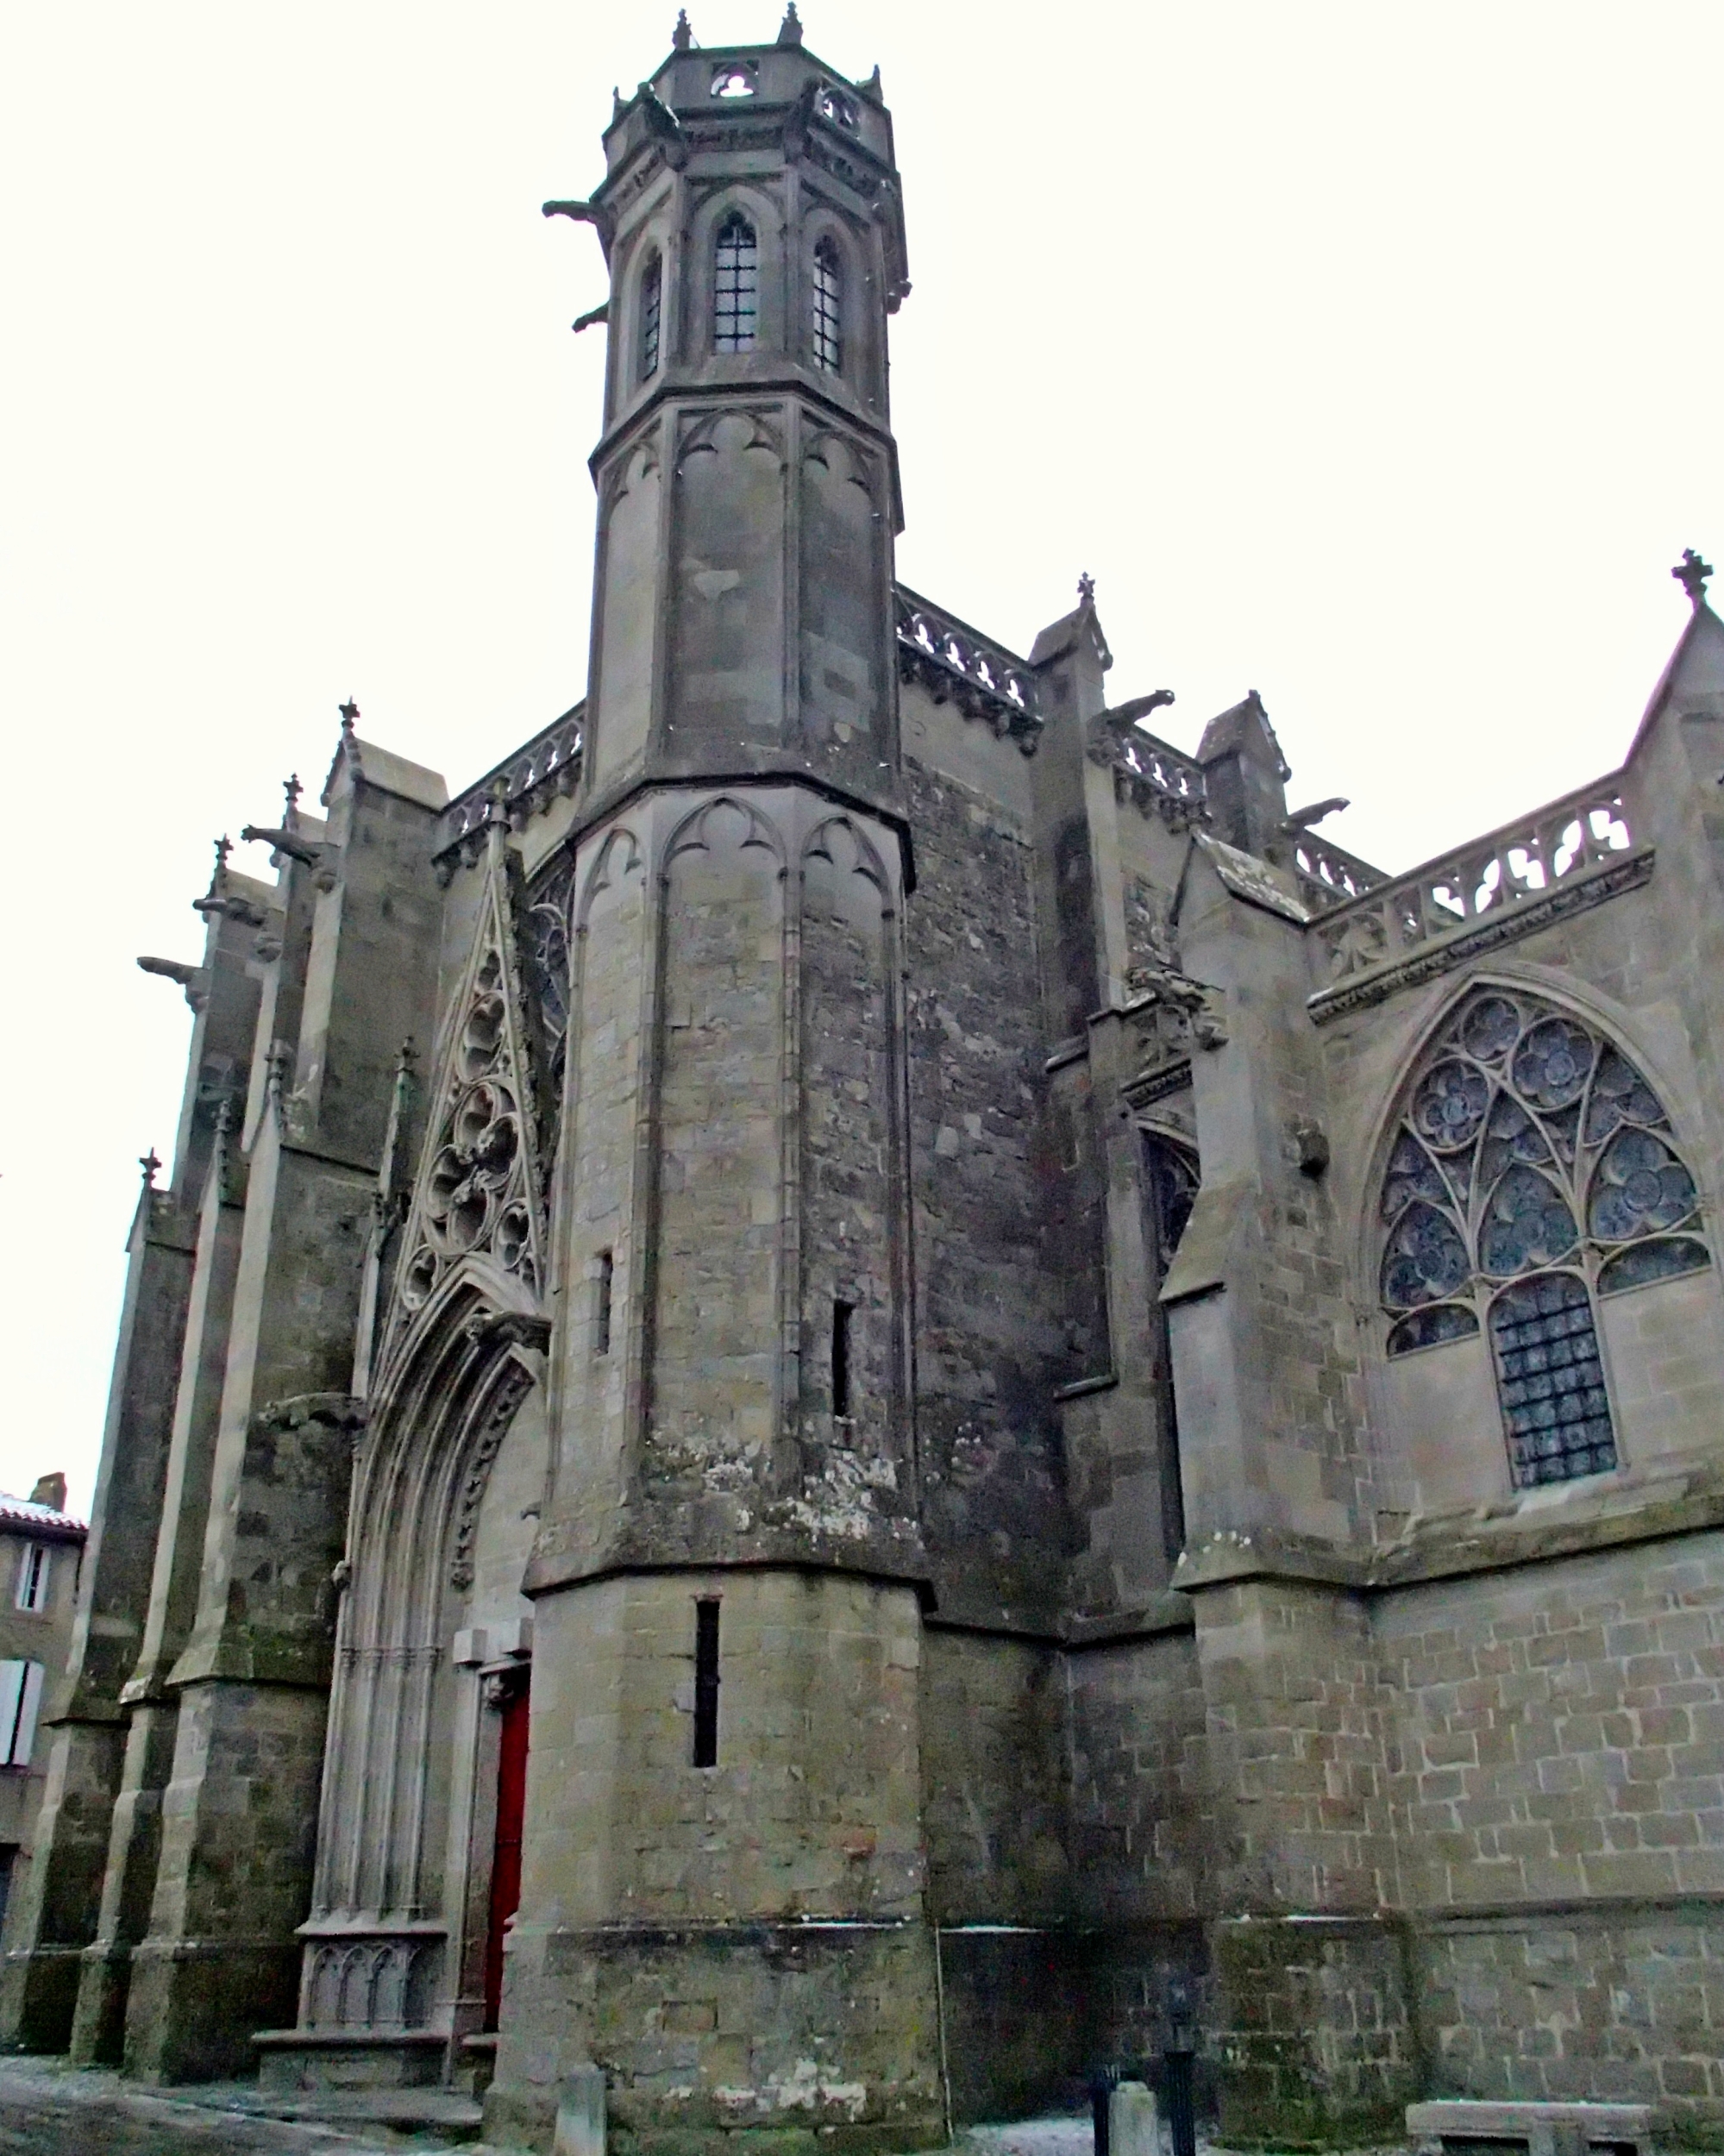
(1328, 874)
(535, 775)
(1574, 853)
(1157, 777)
(956, 665)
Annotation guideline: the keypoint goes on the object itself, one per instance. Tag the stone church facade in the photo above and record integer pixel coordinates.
(856, 1367)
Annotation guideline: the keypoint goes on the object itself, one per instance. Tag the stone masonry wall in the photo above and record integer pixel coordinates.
(1557, 1758)
(992, 1470)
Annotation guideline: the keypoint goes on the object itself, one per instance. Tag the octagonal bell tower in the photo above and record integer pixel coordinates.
(746, 477)
(721, 1895)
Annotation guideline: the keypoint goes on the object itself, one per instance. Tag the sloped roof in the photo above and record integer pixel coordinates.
(19, 1511)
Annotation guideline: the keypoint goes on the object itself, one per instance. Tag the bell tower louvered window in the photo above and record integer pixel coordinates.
(736, 286)
(1534, 1171)
(829, 296)
(652, 308)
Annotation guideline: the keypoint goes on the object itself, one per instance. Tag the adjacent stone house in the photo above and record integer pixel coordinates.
(855, 1367)
(41, 1550)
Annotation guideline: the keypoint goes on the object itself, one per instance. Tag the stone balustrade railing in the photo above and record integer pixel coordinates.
(1328, 874)
(1157, 777)
(956, 665)
(548, 766)
(1520, 865)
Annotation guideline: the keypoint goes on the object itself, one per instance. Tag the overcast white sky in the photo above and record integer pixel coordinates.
(1365, 353)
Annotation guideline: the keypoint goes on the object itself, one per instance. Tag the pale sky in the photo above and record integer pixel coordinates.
(1366, 354)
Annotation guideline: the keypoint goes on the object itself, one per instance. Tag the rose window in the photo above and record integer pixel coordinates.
(1533, 1170)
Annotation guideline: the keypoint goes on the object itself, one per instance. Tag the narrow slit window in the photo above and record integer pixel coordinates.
(33, 1576)
(707, 1684)
(652, 302)
(843, 1313)
(602, 1288)
(736, 286)
(829, 295)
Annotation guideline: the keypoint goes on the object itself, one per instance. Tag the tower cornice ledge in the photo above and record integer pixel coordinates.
(775, 379)
(604, 806)
(908, 1566)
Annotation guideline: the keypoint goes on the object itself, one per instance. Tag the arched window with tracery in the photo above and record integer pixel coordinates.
(652, 315)
(1533, 1171)
(829, 299)
(736, 286)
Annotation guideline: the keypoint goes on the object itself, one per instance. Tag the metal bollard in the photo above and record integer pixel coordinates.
(1177, 2063)
(1103, 2081)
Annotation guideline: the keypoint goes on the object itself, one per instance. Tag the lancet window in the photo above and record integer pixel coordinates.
(736, 286)
(652, 307)
(828, 294)
(1534, 1171)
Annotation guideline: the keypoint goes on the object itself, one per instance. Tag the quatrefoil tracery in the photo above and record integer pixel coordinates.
(475, 1196)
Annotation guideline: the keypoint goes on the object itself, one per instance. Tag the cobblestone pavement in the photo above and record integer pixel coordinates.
(48, 2109)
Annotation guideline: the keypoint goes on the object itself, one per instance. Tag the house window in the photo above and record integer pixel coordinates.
(736, 286)
(652, 298)
(829, 345)
(21, 1695)
(33, 1571)
(1533, 1171)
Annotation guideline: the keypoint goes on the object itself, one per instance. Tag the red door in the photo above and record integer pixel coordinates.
(505, 1864)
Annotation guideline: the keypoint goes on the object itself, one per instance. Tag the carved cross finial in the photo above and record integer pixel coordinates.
(349, 712)
(1086, 590)
(682, 37)
(790, 30)
(149, 1163)
(1691, 573)
(219, 873)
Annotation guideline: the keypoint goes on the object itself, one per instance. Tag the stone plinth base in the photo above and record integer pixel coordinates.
(292, 2059)
(38, 1994)
(1316, 2041)
(99, 2025)
(195, 2005)
(717, 2036)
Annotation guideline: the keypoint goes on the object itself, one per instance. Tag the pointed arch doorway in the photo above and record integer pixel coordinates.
(511, 1811)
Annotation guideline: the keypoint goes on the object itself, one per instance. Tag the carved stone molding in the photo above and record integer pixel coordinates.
(514, 1381)
(1443, 954)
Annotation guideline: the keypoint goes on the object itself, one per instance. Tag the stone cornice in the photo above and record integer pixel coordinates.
(1575, 894)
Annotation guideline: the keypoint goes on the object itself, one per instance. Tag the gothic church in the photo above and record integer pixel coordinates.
(854, 1373)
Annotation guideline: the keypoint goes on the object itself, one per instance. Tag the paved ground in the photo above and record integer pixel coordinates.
(46, 2109)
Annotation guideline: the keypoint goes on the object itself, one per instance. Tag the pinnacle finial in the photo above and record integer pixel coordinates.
(1691, 573)
(349, 712)
(149, 1163)
(1086, 590)
(790, 30)
(292, 788)
(682, 37)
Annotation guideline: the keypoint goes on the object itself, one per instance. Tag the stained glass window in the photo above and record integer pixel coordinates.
(652, 300)
(736, 286)
(1533, 1170)
(828, 346)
